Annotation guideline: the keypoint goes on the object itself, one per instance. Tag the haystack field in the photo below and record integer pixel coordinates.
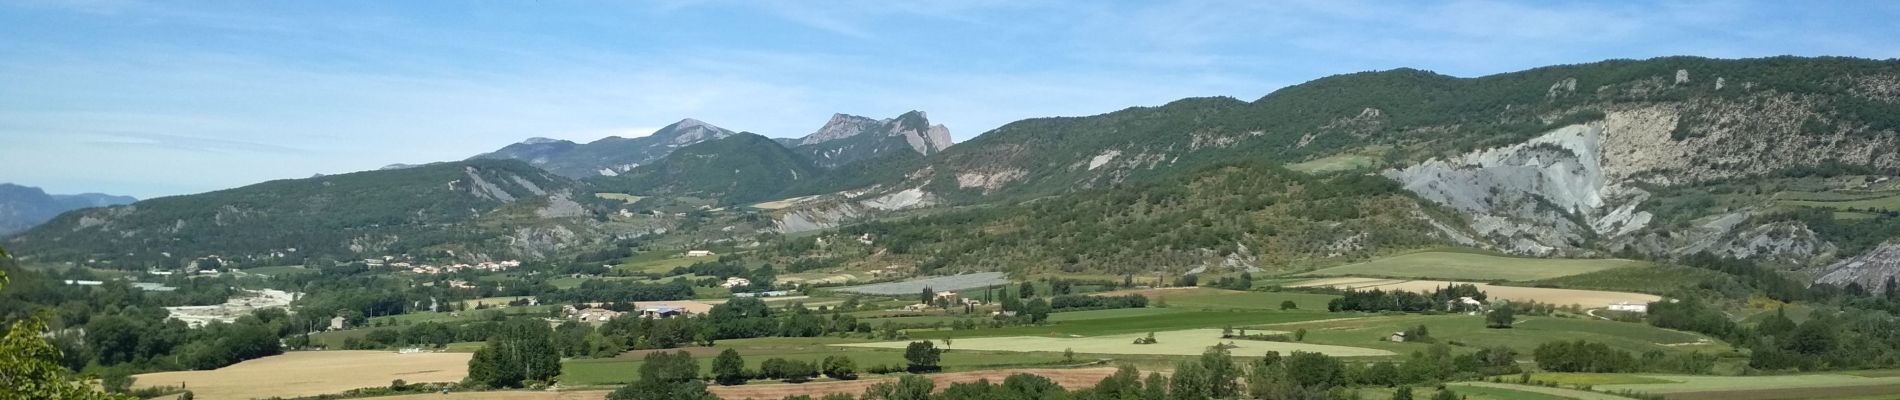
(310, 373)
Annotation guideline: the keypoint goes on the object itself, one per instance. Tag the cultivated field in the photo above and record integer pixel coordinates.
(1180, 343)
(1472, 266)
(310, 373)
(911, 287)
(1586, 298)
(1136, 320)
(618, 196)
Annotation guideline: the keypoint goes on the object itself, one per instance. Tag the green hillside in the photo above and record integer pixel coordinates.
(341, 216)
(736, 169)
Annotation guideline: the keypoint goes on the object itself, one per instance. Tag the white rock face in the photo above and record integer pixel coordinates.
(922, 139)
(1871, 270)
(1523, 195)
(1102, 159)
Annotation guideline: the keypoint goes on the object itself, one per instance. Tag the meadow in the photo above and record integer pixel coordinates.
(1472, 266)
(1180, 343)
(913, 286)
(310, 373)
(1698, 383)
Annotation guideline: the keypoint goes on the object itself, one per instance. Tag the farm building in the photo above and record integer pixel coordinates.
(949, 297)
(338, 323)
(733, 282)
(670, 309)
(596, 315)
(1396, 337)
(1629, 306)
(699, 253)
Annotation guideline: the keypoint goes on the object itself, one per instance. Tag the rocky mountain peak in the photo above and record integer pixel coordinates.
(913, 127)
(690, 130)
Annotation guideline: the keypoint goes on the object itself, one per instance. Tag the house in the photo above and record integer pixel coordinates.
(1630, 306)
(1396, 337)
(338, 323)
(670, 309)
(734, 282)
(596, 315)
(947, 297)
(699, 253)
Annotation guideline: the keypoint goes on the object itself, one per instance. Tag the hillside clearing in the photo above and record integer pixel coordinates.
(1551, 391)
(311, 373)
(1472, 266)
(1181, 343)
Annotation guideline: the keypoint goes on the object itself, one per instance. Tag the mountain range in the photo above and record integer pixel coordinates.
(1789, 161)
(22, 207)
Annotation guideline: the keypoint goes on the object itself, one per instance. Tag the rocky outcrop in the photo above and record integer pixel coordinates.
(847, 139)
(1871, 270)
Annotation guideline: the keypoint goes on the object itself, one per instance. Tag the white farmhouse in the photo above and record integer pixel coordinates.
(1630, 306)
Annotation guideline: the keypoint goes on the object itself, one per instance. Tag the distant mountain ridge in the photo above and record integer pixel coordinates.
(470, 210)
(608, 156)
(23, 207)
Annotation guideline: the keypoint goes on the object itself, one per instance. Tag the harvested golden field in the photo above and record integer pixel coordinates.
(310, 373)
(1586, 298)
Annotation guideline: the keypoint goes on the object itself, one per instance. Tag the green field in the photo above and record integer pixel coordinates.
(1472, 266)
(470, 315)
(1224, 300)
(614, 371)
(1181, 343)
(1841, 200)
(1693, 383)
(1124, 321)
(661, 265)
(1525, 336)
(1506, 391)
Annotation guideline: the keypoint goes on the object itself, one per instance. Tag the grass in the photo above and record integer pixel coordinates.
(493, 301)
(1121, 321)
(1524, 337)
(470, 315)
(1579, 378)
(1693, 383)
(1657, 279)
(1841, 200)
(1471, 266)
(1505, 391)
(661, 266)
(1181, 343)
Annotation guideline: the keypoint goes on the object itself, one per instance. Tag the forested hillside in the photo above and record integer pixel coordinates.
(435, 207)
(733, 170)
(1228, 217)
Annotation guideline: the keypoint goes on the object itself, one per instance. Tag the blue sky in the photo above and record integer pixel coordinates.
(163, 98)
